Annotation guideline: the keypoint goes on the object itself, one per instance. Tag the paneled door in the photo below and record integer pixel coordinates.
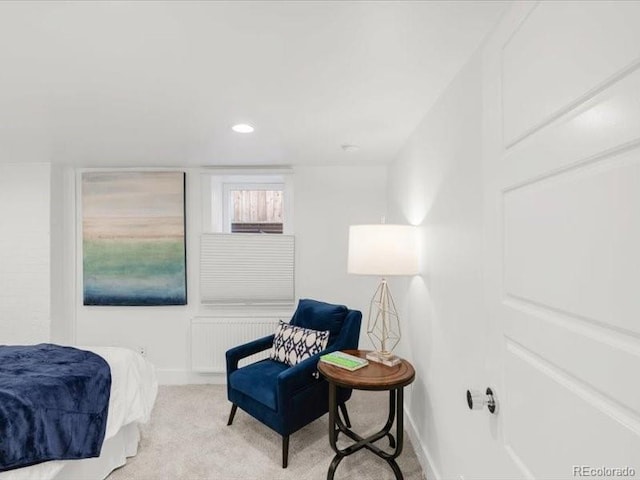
(562, 181)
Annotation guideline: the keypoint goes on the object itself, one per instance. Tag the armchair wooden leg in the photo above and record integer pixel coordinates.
(345, 415)
(285, 451)
(234, 407)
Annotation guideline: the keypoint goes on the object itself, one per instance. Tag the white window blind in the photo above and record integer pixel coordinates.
(247, 268)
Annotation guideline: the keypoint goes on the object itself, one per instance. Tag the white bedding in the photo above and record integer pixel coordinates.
(133, 392)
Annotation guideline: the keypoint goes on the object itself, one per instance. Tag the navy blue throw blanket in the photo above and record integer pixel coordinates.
(53, 404)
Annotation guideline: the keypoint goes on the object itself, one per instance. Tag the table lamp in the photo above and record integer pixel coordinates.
(383, 250)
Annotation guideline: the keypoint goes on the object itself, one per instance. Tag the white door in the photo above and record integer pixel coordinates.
(562, 162)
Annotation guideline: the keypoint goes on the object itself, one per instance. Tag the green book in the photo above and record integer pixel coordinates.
(344, 360)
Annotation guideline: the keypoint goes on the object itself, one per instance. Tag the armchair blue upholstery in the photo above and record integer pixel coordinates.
(287, 398)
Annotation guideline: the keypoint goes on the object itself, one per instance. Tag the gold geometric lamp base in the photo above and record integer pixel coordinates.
(383, 326)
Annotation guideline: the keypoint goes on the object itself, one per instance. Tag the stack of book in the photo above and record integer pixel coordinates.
(344, 360)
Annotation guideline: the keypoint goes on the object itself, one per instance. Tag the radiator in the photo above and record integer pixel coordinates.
(211, 337)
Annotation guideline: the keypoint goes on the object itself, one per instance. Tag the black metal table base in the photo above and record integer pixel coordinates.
(337, 426)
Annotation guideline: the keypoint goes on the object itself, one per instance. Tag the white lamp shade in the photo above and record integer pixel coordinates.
(383, 250)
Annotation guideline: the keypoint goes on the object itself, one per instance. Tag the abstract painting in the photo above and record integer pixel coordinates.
(133, 238)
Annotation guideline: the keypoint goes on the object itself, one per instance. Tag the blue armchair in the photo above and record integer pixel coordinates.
(287, 398)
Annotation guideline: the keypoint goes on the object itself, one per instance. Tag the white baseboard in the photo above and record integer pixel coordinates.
(425, 460)
(174, 376)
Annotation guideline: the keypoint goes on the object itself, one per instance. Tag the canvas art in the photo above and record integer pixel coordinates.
(133, 238)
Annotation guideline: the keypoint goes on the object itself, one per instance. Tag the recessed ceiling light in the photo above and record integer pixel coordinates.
(242, 128)
(349, 148)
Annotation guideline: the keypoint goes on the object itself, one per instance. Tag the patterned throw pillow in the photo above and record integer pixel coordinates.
(292, 344)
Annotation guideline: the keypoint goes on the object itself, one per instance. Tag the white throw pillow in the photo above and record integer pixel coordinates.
(292, 344)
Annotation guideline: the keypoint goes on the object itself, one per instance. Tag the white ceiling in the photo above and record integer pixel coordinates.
(160, 83)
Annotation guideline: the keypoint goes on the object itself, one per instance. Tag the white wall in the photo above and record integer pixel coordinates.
(62, 254)
(164, 330)
(436, 183)
(24, 253)
(326, 201)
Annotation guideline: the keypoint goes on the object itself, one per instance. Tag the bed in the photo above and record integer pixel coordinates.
(133, 392)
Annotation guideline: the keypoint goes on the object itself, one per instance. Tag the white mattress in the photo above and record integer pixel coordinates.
(133, 392)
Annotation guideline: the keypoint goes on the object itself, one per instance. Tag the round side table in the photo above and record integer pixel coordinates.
(374, 376)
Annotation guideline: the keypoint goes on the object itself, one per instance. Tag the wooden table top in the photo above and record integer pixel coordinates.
(374, 376)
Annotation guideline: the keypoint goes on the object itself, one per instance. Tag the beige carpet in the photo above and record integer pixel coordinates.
(188, 438)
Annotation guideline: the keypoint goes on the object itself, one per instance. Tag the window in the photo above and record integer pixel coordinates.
(254, 208)
(247, 250)
(242, 203)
